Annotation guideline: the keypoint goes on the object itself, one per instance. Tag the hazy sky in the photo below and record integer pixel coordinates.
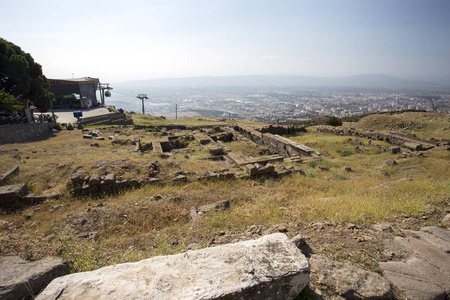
(129, 40)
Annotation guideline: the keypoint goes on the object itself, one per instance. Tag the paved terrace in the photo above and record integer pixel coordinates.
(66, 115)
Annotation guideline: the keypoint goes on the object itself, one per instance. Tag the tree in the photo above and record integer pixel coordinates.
(8, 102)
(21, 76)
(334, 121)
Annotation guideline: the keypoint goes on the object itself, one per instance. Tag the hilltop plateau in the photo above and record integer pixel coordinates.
(112, 194)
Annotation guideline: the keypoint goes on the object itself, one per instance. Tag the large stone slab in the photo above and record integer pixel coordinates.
(348, 281)
(437, 232)
(428, 253)
(425, 270)
(20, 279)
(409, 282)
(271, 267)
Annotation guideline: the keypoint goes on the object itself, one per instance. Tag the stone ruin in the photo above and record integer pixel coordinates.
(213, 140)
(410, 142)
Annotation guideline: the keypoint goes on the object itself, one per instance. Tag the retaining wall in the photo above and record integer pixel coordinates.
(375, 135)
(276, 143)
(21, 132)
(115, 118)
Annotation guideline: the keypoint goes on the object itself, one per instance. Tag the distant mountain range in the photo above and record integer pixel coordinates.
(369, 81)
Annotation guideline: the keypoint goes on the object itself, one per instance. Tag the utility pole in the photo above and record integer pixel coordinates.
(142, 97)
(176, 110)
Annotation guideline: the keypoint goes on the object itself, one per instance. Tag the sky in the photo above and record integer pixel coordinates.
(120, 41)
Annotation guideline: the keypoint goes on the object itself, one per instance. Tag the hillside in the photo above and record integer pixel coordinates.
(334, 198)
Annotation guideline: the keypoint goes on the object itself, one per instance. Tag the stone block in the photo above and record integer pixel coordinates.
(76, 179)
(179, 178)
(412, 146)
(105, 187)
(394, 150)
(216, 151)
(324, 168)
(94, 179)
(8, 174)
(11, 193)
(19, 277)
(110, 178)
(252, 170)
(221, 205)
(267, 169)
(270, 268)
(121, 184)
(133, 183)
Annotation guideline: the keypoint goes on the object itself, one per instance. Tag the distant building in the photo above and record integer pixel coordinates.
(74, 92)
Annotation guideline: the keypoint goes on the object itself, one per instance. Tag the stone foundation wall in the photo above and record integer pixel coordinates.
(281, 130)
(21, 132)
(276, 143)
(376, 135)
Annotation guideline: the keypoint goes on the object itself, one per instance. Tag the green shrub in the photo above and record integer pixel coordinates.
(334, 121)
(344, 153)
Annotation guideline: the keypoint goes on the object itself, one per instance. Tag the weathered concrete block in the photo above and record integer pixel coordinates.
(271, 267)
(18, 275)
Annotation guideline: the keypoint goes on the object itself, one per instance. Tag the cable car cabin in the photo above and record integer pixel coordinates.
(107, 94)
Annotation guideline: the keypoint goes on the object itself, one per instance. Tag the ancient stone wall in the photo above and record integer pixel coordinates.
(167, 127)
(276, 143)
(375, 135)
(10, 134)
(282, 130)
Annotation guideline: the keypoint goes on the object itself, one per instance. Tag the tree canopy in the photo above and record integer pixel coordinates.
(8, 102)
(21, 76)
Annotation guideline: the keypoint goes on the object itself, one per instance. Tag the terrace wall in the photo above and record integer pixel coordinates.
(374, 135)
(21, 132)
(276, 143)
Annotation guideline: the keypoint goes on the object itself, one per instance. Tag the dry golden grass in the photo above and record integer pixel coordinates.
(423, 124)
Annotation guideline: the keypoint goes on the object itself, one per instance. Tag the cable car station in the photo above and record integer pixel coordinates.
(78, 93)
